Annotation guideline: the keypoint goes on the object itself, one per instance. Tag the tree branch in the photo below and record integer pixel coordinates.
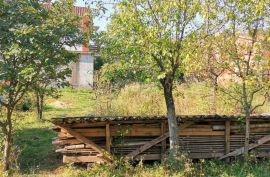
(259, 105)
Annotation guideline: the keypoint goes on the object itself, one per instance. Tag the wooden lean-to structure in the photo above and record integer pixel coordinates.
(99, 139)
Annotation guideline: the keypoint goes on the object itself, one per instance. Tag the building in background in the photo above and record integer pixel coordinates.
(83, 69)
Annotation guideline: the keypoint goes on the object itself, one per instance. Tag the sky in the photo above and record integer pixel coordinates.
(101, 22)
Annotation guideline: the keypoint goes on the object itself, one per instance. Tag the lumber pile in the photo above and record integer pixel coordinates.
(101, 139)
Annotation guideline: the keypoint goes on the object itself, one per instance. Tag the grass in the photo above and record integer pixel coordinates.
(34, 154)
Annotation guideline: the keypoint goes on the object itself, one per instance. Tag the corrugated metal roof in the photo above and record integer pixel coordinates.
(130, 118)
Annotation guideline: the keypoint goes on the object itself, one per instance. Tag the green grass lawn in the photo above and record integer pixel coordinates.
(33, 138)
(35, 156)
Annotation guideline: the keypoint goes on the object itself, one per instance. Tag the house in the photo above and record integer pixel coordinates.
(82, 70)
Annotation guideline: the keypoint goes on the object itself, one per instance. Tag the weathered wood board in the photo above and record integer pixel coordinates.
(99, 139)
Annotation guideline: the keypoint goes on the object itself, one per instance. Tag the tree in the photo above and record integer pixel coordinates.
(49, 87)
(208, 68)
(242, 48)
(33, 43)
(158, 36)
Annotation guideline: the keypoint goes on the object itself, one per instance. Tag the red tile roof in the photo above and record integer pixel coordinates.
(81, 11)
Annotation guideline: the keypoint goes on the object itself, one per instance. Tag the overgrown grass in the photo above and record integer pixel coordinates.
(35, 154)
(200, 169)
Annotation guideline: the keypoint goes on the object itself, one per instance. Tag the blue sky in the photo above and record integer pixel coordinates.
(103, 21)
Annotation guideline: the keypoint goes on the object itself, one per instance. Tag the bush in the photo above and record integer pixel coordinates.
(25, 104)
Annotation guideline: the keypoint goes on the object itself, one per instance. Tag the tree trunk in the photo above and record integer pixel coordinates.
(214, 101)
(40, 104)
(247, 135)
(172, 122)
(7, 141)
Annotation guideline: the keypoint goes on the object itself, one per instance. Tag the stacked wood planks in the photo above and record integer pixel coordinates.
(99, 139)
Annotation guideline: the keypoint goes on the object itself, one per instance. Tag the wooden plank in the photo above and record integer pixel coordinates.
(123, 122)
(147, 145)
(76, 146)
(154, 142)
(108, 138)
(237, 127)
(227, 138)
(185, 125)
(82, 159)
(213, 133)
(148, 157)
(105, 155)
(147, 133)
(205, 155)
(240, 151)
(163, 142)
(116, 130)
(66, 141)
(76, 151)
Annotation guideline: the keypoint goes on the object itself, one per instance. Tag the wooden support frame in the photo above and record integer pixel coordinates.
(240, 151)
(227, 138)
(163, 142)
(148, 145)
(105, 155)
(108, 138)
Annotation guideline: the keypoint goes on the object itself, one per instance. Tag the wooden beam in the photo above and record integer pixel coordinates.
(185, 125)
(205, 155)
(105, 155)
(108, 138)
(65, 141)
(137, 132)
(163, 142)
(148, 157)
(155, 141)
(147, 145)
(76, 151)
(240, 151)
(82, 159)
(227, 138)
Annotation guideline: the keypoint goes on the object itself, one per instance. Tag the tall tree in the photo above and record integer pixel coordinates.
(205, 66)
(242, 48)
(158, 36)
(33, 43)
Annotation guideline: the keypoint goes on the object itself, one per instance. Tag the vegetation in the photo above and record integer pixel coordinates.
(35, 156)
(153, 49)
(170, 40)
(156, 35)
(32, 51)
(242, 55)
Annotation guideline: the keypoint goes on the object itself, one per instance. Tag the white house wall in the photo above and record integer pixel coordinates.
(82, 72)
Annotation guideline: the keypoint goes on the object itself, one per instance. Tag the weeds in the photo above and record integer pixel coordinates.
(36, 156)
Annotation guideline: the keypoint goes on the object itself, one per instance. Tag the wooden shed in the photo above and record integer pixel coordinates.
(100, 139)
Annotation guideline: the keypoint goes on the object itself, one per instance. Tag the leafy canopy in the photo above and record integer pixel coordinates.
(156, 35)
(33, 43)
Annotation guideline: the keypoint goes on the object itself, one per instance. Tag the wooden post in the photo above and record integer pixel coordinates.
(227, 138)
(108, 138)
(163, 143)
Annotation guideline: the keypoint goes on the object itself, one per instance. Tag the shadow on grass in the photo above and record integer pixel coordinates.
(36, 150)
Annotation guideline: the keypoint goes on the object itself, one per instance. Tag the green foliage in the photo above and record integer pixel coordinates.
(98, 63)
(179, 164)
(33, 42)
(26, 104)
(153, 36)
(207, 168)
(36, 156)
(239, 50)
